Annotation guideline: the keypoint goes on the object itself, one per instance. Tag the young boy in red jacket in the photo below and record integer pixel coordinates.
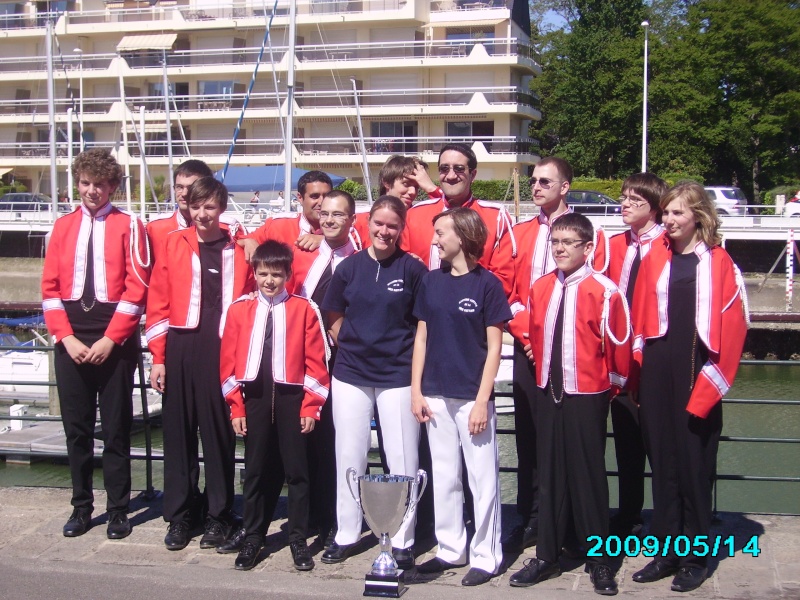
(273, 369)
(581, 346)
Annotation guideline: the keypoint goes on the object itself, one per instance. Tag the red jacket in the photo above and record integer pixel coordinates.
(159, 228)
(121, 268)
(534, 258)
(284, 227)
(500, 248)
(299, 352)
(592, 361)
(175, 289)
(308, 267)
(720, 317)
(622, 252)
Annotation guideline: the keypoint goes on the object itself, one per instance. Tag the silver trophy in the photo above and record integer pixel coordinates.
(386, 501)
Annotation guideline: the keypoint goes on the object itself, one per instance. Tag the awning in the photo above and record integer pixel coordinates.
(465, 24)
(158, 41)
(4, 170)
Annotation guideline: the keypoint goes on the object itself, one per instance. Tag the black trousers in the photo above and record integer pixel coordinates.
(322, 468)
(81, 389)
(193, 402)
(261, 460)
(570, 448)
(631, 458)
(524, 392)
(682, 450)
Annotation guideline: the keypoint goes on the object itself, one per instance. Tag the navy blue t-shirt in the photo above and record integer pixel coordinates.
(376, 340)
(457, 311)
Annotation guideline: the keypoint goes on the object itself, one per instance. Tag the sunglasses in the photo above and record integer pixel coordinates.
(457, 169)
(543, 182)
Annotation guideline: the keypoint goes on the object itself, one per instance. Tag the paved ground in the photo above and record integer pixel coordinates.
(36, 561)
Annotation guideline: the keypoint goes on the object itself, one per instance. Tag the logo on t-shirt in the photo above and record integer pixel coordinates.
(467, 305)
(396, 285)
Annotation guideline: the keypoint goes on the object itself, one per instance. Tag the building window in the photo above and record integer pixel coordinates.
(394, 137)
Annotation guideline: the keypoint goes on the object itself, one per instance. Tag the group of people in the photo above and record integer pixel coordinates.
(297, 335)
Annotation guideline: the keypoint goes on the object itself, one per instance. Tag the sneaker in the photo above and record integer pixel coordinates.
(177, 537)
(78, 522)
(215, 534)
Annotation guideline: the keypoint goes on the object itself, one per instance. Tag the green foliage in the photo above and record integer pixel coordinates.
(609, 187)
(12, 187)
(357, 190)
(787, 190)
(724, 89)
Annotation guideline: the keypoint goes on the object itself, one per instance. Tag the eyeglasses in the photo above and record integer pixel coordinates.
(567, 243)
(181, 188)
(337, 216)
(457, 169)
(543, 182)
(633, 201)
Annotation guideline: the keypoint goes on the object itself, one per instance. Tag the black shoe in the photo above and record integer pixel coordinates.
(653, 571)
(404, 557)
(248, 555)
(78, 523)
(177, 537)
(301, 555)
(234, 543)
(520, 538)
(534, 571)
(603, 579)
(436, 565)
(689, 578)
(216, 533)
(337, 553)
(118, 526)
(476, 577)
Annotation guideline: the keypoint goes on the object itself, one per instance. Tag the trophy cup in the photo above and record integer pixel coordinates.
(386, 500)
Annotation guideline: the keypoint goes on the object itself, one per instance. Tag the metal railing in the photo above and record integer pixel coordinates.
(149, 455)
(246, 57)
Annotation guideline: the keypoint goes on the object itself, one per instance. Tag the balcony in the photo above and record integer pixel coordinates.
(309, 103)
(307, 56)
(270, 151)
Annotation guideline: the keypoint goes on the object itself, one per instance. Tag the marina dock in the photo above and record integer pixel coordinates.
(36, 561)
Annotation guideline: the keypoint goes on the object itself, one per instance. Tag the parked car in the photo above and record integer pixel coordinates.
(28, 202)
(588, 202)
(729, 200)
(792, 206)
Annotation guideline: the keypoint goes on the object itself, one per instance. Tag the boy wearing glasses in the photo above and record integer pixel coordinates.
(458, 167)
(640, 211)
(581, 348)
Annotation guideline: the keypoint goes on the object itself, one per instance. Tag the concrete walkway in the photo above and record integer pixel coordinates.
(36, 561)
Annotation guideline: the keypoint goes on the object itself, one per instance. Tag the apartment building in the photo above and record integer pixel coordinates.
(420, 73)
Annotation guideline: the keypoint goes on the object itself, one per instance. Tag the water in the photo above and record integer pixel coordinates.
(749, 458)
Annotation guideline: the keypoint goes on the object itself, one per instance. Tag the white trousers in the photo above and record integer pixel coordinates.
(353, 410)
(448, 433)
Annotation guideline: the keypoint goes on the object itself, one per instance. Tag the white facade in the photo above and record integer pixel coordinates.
(427, 73)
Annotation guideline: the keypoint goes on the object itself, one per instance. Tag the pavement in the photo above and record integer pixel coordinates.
(36, 561)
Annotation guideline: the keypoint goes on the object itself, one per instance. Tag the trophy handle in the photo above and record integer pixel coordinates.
(352, 478)
(420, 483)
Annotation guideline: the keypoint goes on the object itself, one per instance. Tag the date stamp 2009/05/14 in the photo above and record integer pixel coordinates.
(681, 545)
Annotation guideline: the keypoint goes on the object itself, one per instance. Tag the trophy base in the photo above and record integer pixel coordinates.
(385, 586)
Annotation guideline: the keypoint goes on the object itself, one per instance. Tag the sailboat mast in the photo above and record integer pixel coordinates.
(287, 192)
(51, 112)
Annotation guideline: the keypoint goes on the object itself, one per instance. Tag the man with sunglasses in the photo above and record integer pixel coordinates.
(550, 182)
(458, 167)
(641, 212)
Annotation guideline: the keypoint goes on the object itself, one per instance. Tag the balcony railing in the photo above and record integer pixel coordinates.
(330, 99)
(306, 54)
(190, 13)
(269, 149)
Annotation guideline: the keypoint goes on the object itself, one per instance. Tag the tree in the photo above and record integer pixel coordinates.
(591, 88)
